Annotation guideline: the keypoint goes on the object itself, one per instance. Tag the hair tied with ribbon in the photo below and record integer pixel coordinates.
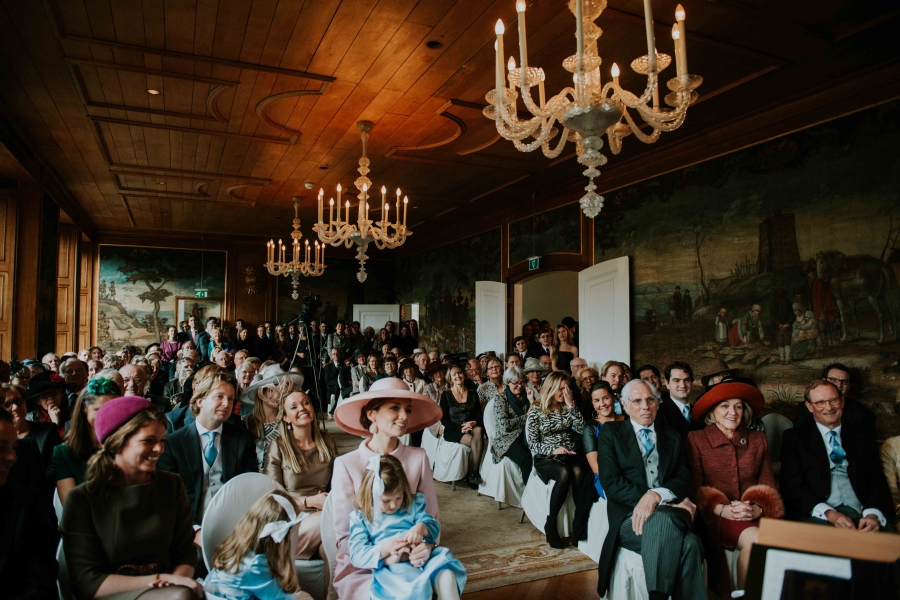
(374, 465)
(278, 530)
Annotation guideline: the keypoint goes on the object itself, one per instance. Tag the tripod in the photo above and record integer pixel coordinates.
(313, 364)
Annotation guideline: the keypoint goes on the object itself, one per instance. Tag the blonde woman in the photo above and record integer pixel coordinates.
(302, 460)
(463, 422)
(493, 388)
(562, 351)
(551, 433)
(266, 398)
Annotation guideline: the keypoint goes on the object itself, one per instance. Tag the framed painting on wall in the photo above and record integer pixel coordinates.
(202, 308)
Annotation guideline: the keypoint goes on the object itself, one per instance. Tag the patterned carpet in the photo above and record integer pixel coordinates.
(496, 549)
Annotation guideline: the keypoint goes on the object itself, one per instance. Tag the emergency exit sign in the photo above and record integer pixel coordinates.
(534, 263)
(201, 293)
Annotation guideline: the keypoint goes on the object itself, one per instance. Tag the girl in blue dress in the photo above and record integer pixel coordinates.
(256, 562)
(388, 523)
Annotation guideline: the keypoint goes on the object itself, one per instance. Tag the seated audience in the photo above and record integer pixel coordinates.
(830, 472)
(421, 360)
(390, 367)
(473, 374)
(371, 373)
(643, 471)
(550, 431)
(463, 422)
(263, 421)
(301, 459)
(209, 452)
(169, 349)
(28, 530)
(338, 380)
(71, 457)
(890, 463)
(246, 372)
(45, 401)
(357, 369)
(513, 360)
(511, 412)
(535, 371)
(52, 362)
(36, 440)
(110, 552)
(675, 404)
(854, 412)
(730, 469)
(175, 386)
(493, 387)
(612, 373)
(437, 372)
(74, 373)
(717, 372)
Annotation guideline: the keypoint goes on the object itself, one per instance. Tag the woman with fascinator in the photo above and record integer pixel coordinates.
(382, 415)
(301, 459)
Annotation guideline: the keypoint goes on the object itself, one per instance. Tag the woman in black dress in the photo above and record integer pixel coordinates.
(463, 422)
(562, 351)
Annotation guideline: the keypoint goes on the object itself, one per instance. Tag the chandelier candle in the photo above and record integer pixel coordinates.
(523, 46)
(651, 41)
(498, 29)
(680, 42)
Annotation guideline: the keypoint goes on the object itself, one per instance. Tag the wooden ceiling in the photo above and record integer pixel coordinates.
(258, 97)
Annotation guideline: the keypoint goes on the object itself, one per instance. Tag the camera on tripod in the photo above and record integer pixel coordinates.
(311, 306)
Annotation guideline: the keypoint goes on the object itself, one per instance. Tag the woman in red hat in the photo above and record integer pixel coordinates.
(388, 411)
(730, 469)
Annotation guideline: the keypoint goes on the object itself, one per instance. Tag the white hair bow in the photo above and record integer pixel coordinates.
(377, 485)
(278, 530)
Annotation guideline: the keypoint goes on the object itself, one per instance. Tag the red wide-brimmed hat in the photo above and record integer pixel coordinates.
(728, 390)
(425, 412)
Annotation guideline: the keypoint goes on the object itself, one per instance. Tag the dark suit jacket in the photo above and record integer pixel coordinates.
(29, 536)
(858, 416)
(203, 339)
(674, 419)
(183, 456)
(806, 473)
(536, 351)
(338, 380)
(624, 480)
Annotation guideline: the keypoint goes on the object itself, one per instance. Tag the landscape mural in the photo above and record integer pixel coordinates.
(140, 290)
(442, 282)
(339, 289)
(777, 259)
(557, 230)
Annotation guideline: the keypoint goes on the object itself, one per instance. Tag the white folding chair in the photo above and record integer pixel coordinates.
(536, 505)
(63, 585)
(430, 446)
(627, 581)
(329, 544)
(451, 462)
(501, 481)
(598, 527)
(230, 504)
(776, 424)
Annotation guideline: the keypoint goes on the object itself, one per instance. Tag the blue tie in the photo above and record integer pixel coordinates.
(209, 451)
(687, 412)
(838, 455)
(646, 442)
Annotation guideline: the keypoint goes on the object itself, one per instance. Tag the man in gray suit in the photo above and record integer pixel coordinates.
(647, 483)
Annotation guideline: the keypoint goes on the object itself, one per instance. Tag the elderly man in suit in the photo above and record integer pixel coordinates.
(647, 483)
(830, 470)
(208, 452)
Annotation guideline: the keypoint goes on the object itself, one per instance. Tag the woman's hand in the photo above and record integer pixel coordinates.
(393, 547)
(420, 554)
(167, 579)
(54, 411)
(317, 501)
(562, 450)
(529, 393)
(741, 511)
(468, 426)
(415, 535)
(567, 396)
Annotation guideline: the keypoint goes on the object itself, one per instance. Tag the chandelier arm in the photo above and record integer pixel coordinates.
(625, 97)
(550, 108)
(559, 147)
(510, 133)
(540, 141)
(647, 139)
(671, 121)
(532, 123)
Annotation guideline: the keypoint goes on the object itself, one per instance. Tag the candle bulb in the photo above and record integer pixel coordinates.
(330, 212)
(615, 73)
(339, 201)
(498, 29)
(405, 203)
(383, 194)
(385, 221)
(347, 211)
(321, 199)
(680, 42)
(651, 42)
(523, 46)
(511, 67)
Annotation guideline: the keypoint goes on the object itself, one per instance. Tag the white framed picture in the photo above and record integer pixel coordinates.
(202, 308)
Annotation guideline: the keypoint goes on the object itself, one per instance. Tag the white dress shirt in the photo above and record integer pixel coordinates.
(821, 508)
(664, 493)
(681, 406)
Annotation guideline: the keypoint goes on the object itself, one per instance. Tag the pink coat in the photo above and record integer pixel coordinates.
(351, 583)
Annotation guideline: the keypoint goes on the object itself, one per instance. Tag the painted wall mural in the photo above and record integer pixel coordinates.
(144, 290)
(557, 230)
(339, 290)
(778, 259)
(442, 282)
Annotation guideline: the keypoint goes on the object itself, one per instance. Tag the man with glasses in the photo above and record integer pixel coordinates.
(646, 480)
(854, 414)
(830, 470)
(473, 374)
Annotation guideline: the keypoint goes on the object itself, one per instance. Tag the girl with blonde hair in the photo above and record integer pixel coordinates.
(255, 562)
(389, 521)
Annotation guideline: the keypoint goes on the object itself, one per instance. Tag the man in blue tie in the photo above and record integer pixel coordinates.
(675, 404)
(647, 484)
(830, 470)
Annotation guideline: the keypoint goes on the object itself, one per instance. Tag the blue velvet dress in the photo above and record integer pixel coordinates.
(400, 580)
(253, 581)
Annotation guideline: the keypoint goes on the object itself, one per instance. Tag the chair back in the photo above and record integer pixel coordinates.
(329, 540)
(63, 584)
(776, 424)
(228, 506)
(490, 420)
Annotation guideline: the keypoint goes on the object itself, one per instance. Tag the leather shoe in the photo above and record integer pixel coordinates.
(553, 534)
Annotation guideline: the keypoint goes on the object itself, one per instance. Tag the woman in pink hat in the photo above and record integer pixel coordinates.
(386, 412)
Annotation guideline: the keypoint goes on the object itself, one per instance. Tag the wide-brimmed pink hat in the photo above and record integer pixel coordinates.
(425, 412)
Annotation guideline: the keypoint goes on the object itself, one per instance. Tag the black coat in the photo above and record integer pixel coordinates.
(806, 472)
(338, 380)
(29, 536)
(203, 339)
(674, 419)
(536, 351)
(183, 456)
(621, 469)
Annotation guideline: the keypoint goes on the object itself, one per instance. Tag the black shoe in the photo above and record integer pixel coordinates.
(553, 534)
(474, 481)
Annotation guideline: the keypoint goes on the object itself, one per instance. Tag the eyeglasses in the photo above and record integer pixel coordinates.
(840, 382)
(821, 403)
(636, 402)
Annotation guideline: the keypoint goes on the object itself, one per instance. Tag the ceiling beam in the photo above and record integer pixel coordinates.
(178, 173)
(228, 134)
(98, 64)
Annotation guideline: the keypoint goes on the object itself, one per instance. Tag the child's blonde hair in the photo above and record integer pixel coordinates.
(245, 539)
(394, 479)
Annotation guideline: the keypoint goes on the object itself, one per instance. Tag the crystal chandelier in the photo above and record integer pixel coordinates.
(589, 109)
(365, 231)
(294, 269)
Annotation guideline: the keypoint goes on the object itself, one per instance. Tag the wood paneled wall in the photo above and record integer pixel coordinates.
(8, 210)
(67, 291)
(85, 295)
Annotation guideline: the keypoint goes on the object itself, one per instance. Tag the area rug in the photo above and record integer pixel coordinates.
(496, 549)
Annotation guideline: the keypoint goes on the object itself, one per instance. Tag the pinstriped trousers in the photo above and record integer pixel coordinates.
(671, 553)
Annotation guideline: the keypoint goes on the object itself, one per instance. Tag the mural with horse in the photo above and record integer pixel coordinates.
(779, 259)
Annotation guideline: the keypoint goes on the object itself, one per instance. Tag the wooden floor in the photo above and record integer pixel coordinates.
(565, 587)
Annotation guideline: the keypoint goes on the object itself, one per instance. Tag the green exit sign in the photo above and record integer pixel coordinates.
(201, 293)
(534, 263)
